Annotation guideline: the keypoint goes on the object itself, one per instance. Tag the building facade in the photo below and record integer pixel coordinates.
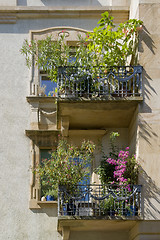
(31, 122)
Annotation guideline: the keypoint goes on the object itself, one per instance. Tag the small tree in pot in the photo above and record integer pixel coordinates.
(67, 166)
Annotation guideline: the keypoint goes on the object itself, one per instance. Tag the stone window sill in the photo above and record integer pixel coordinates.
(42, 204)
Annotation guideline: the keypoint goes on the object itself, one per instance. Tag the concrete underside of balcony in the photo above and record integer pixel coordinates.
(66, 225)
(94, 114)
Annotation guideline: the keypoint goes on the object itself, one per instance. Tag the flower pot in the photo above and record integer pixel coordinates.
(50, 198)
(43, 199)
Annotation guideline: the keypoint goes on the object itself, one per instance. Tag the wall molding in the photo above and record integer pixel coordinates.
(10, 14)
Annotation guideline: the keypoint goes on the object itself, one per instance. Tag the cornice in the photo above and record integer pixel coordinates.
(10, 14)
(50, 9)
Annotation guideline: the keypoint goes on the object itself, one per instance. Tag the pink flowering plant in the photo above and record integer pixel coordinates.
(125, 169)
(120, 167)
(68, 165)
(119, 171)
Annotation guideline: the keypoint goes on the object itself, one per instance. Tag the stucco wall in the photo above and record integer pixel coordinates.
(17, 222)
(94, 235)
(149, 117)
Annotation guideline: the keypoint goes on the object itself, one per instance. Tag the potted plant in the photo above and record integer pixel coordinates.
(119, 170)
(119, 167)
(67, 166)
(108, 207)
(105, 46)
(51, 195)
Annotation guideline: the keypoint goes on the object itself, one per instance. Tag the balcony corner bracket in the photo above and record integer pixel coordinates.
(65, 232)
(64, 126)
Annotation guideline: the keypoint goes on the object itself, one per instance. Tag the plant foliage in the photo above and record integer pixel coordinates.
(68, 165)
(106, 45)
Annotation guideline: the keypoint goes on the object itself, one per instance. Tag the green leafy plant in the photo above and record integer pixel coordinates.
(68, 165)
(50, 192)
(105, 46)
(107, 206)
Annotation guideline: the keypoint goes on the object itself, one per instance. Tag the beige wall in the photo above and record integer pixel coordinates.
(145, 230)
(149, 124)
(102, 235)
(8, 2)
(17, 222)
(132, 135)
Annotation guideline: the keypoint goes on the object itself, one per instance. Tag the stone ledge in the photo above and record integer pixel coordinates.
(7, 18)
(43, 138)
(62, 8)
(33, 204)
(95, 223)
(99, 99)
(120, 14)
(42, 99)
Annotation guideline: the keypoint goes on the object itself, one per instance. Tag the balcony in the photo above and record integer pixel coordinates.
(100, 201)
(90, 207)
(106, 98)
(99, 82)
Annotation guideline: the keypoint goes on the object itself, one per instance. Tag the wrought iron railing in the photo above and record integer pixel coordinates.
(102, 82)
(100, 200)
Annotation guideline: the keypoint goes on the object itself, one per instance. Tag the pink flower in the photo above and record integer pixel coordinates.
(29, 45)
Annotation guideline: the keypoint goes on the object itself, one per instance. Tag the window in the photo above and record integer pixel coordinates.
(45, 188)
(86, 180)
(40, 85)
(47, 87)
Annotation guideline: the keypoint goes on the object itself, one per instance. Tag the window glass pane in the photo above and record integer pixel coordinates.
(50, 86)
(72, 53)
(86, 180)
(45, 181)
(45, 154)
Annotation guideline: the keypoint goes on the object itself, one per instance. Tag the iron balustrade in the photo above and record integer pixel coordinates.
(99, 200)
(121, 81)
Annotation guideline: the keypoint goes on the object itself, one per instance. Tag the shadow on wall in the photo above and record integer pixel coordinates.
(150, 190)
(146, 132)
(145, 38)
(148, 90)
(51, 212)
(150, 197)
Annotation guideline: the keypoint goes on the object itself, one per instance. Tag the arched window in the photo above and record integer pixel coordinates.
(40, 83)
